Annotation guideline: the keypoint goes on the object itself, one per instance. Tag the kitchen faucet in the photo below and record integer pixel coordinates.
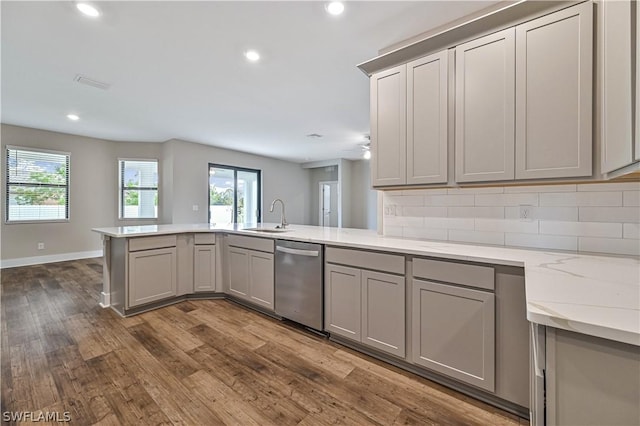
(283, 220)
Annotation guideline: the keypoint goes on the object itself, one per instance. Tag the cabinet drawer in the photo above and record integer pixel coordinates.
(457, 273)
(202, 239)
(148, 243)
(251, 243)
(366, 259)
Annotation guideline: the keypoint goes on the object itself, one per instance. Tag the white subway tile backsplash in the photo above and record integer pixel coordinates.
(557, 242)
(410, 200)
(610, 245)
(631, 230)
(539, 188)
(555, 213)
(623, 186)
(449, 200)
(448, 223)
(490, 190)
(631, 198)
(482, 212)
(433, 191)
(585, 229)
(609, 214)
(404, 221)
(506, 225)
(603, 217)
(476, 237)
(507, 199)
(581, 199)
(425, 234)
(424, 211)
(392, 231)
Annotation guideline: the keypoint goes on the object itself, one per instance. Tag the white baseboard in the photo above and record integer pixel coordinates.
(37, 260)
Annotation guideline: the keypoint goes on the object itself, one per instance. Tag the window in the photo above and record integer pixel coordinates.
(37, 185)
(234, 195)
(138, 189)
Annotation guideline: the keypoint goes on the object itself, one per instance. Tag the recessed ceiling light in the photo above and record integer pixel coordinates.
(335, 7)
(88, 9)
(252, 55)
(73, 117)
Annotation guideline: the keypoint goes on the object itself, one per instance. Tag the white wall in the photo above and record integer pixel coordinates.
(92, 201)
(599, 217)
(317, 175)
(363, 199)
(280, 179)
(183, 169)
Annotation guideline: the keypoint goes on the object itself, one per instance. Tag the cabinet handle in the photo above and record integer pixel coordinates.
(310, 253)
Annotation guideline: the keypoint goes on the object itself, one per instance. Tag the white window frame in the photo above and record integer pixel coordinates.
(10, 221)
(121, 191)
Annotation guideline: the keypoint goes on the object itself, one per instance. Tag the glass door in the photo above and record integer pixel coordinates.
(234, 195)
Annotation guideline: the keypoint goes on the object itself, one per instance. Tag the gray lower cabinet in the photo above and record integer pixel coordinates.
(343, 302)
(238, 272)
(383, 307)
(454, 332)
(261, 279)
(590, 380)
(251, 276)
(152, 275)
(366, 306)
(204, 267)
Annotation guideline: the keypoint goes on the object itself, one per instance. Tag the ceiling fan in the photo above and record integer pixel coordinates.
(364, 148)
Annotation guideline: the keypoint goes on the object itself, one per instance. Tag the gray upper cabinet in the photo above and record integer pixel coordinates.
(554, 95)
(637, 56)
(427, 119)
(453, 332)
(388, 127)
(616, 88)
(485, 110)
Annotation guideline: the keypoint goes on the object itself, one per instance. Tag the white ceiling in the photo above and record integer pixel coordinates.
(177, 70)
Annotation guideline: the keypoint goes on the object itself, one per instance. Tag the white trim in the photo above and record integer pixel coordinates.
(105, 299)
(37, 260)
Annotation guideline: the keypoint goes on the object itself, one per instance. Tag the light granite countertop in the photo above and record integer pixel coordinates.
(589, 294)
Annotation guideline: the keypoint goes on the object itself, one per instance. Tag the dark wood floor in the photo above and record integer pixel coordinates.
(194, 363)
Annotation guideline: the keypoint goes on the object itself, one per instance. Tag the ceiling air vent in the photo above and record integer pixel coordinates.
(91, 82)
(314, 135)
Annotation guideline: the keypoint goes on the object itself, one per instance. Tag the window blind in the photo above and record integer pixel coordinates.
(37, 185)
(138, 189)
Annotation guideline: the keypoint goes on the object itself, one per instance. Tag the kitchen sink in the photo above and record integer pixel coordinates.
(271, 230)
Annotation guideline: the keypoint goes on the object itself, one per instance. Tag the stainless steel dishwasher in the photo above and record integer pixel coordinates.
(299, 284)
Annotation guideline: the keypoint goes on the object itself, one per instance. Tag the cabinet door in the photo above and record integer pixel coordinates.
(617, 95)
(389, 127)
(342, 301)
(238, 273)
(204, 267)
(554, 61)
(636, 54)
(454, 332)
(152, 275)
(383, 312)
(485, 114)
(261, 279)
(427, 115)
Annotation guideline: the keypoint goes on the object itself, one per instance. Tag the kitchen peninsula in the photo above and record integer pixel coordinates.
(594, 299)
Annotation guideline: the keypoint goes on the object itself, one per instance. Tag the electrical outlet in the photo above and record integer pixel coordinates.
(526, 213)
(195, 207)
(40, 246)
(390, 210)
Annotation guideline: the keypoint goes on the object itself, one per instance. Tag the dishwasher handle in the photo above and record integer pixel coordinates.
(298, 252)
